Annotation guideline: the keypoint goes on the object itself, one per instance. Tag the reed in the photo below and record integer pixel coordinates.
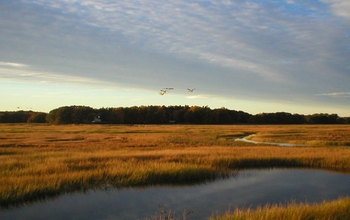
(335, 210)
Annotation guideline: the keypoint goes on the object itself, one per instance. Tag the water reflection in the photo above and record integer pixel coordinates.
(250, 188)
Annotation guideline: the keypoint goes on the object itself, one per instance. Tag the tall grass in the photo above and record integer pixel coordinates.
(335, 210)
(37, 161)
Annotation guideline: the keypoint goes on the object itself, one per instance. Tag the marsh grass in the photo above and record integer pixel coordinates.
(335, 210)
(83, 157)
(326, 135)
(167, 214)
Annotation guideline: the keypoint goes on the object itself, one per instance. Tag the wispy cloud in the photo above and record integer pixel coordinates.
(336, 94)
(246, 36)
(340, 7)
(198, 97)
(11, 64)
(12, 71)
(214, 32)
(253, 67)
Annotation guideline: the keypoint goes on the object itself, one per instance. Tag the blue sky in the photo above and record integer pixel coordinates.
(255, 56)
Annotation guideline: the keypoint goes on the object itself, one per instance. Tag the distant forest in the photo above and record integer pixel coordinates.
(164, 115)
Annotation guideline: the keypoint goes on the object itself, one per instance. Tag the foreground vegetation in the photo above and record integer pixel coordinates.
(38, 161)
(335, 210)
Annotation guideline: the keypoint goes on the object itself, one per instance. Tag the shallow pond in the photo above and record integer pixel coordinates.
(249, 188)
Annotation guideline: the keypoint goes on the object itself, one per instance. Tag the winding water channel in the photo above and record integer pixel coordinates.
(245, 139)
(248, 188)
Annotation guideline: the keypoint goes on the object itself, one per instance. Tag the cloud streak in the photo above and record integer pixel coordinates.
(198, 97)
(11, 71)
(11, 64)
(340, 7)
(336, 94)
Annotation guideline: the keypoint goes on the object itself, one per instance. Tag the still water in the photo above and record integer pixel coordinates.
(249, 188)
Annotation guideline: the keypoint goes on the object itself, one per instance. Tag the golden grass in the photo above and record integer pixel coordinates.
(335, 210)
(37, 161)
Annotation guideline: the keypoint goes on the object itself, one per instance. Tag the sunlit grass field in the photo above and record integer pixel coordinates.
(335, 210)
(38, 161)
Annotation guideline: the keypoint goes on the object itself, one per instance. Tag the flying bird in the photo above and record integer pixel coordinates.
(165, 90)
(190, 90)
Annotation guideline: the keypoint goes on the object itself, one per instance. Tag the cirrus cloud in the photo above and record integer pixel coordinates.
(12, 64)
(336, 94)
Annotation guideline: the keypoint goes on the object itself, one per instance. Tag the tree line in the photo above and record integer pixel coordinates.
(164, 115)
(23, 117)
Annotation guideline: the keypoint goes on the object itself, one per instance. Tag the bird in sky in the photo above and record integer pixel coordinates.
(190, 90)
(162, 92)
(165, 90)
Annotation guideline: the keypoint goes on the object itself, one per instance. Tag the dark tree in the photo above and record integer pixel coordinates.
(71, 115)
(37, 117)
(323, 118)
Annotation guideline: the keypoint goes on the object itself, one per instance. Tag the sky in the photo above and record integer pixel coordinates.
(250, 55)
